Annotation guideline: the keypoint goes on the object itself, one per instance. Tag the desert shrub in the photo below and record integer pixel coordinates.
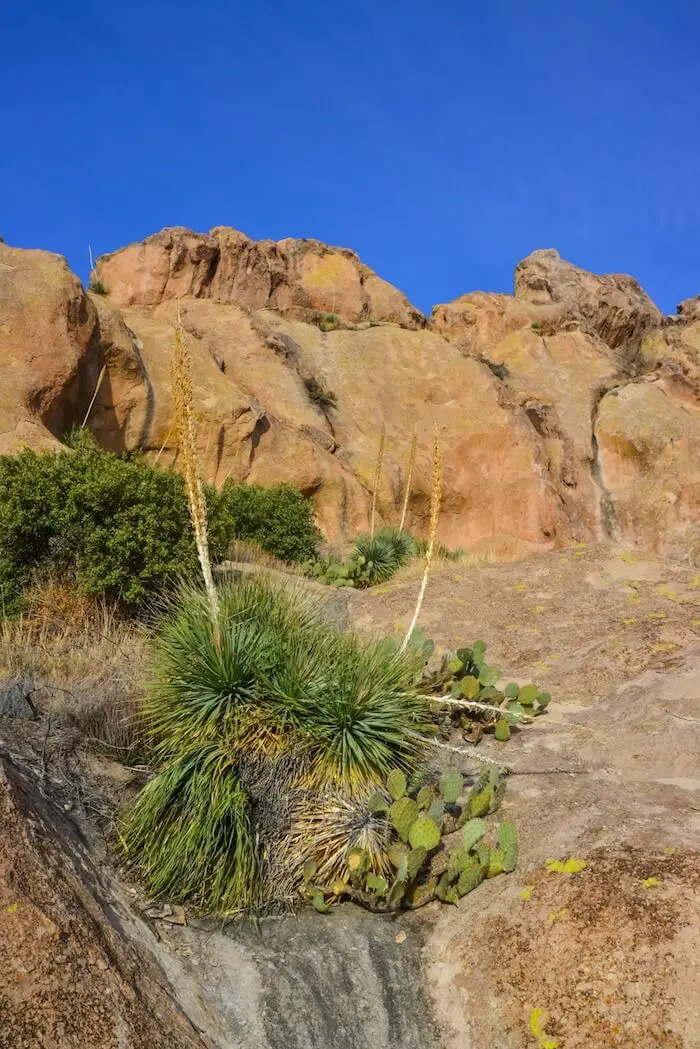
(319, 395)
(98, 287)
(324, 320)
(120, 527)
(373, 559)
(279, 519)
(273, 687)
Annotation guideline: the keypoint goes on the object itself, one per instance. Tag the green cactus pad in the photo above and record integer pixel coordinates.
(436, 811)
(528, 695)
(424, 833)
(502, 731)
(396, 854)
(455, 665)
(483, 855)
(396, 784)
(496, 863)
(473, 832)
(376, 883)
(543, 699)
(416, 859)
(402, 814)
(498, 795)
(425, 797)
(512, 690)
(451, 786)
(488, 676)
(469, 878)
(319, 903)
(508, 842)
(446, 892)
(470, 687)
(480, 804)
(419, 894)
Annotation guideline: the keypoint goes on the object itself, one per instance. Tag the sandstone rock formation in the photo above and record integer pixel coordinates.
(519, 385)
(572, 349)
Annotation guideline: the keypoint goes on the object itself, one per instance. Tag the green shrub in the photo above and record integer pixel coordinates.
(120, 527)
(373, 559)
(98, 287)
(279, 519)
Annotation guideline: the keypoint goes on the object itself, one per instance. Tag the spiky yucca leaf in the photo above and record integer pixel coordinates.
(188, 834)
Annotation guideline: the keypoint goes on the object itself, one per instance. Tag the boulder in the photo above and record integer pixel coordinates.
(290, 275)
(611, 305)
(649, 452)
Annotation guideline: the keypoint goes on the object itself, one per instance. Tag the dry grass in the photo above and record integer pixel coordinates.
(81, 661)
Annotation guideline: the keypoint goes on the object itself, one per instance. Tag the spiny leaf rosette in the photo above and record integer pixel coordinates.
(259, 718)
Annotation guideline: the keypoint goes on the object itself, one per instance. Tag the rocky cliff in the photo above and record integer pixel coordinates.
(568, 411)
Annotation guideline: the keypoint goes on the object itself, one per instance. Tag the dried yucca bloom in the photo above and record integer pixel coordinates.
(377, 478)
(191, 466)
(435, 504)
(409, 478)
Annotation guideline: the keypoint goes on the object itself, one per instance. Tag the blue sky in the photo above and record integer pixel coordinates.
(442, 141)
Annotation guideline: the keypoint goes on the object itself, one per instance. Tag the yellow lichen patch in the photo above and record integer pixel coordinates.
(695, 581)
(12, 908)
(570, 866)
(527, 892)
(650, 883)
(633, 599)
(539, 1019)
(669, 850)
(539, 608)
(665, 591)
(520, 586)
(657, 615)
(557, 916)
(630, 620)
(628, 557)
(664, 646)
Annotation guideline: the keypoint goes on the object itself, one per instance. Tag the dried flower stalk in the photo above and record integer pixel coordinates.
(377, 478)
(409, 478)
(435, 504)
(191, 466)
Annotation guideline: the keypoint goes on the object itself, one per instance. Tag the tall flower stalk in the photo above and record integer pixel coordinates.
(435, 504)
(377, 479)
(409, 478)
(191, 466)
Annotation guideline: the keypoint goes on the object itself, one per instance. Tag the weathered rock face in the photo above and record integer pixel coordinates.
(515, 384)
(613, 305)
(75, 968)
(567, 347)
(225, 265)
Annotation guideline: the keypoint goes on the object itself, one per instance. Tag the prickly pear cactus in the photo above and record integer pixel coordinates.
(472, 833)
(424, 834)
(451, 786)
(508, 843)
(403, 813)
(397, 784)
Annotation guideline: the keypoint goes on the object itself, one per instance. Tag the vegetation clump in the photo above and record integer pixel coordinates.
(324, 399)
(119, 527)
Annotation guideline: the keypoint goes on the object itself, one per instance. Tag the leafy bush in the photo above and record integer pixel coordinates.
(121, 528)
(275, 701)
(324, 320)
(98, 287)
(279, 519)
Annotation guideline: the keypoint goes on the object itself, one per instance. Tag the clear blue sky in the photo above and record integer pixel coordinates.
(442, 140)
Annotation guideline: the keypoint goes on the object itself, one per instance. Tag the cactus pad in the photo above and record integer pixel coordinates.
(376, 883)
(378, 805)
(425, 797)
(469, 878)
(396, 784)
(480, 804)
(496, 863)
(528, 695)
(451, 786)
(502, 731)
(512, 690)
(474, 831)
(402, 814)
(424, 833)
(508, 843)
(436, 811)
(416, 859)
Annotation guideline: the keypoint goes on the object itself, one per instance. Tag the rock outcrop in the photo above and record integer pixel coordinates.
(610, 385)
(302, 354)
(226, 266)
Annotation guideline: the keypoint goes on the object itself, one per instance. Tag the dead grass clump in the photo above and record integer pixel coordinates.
(84, 661)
